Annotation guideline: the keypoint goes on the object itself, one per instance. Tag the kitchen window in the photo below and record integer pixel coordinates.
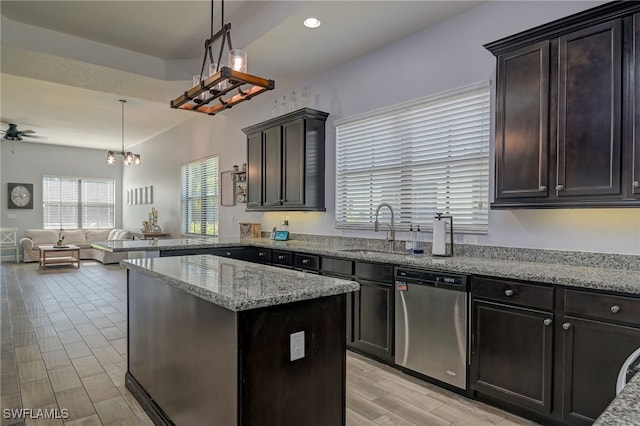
(200, 197)
(423, 157)
(74, 203)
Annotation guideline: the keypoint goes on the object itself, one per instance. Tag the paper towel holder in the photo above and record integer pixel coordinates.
(449, 251)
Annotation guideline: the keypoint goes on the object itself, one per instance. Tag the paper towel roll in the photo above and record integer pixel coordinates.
(439, 246)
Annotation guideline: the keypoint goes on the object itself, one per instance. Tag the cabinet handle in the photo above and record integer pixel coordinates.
(508, 293)
(228, 253)
(547, 322)
(566, 326)
(542, 188)
(281, 257)
(305, 261)
(559, 187)
(615, 309)
(261, 254)
(636, 184)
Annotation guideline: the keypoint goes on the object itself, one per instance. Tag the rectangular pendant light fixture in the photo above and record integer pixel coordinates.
(226, 86)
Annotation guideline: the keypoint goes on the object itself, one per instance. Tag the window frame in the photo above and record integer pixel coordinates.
(78, 204)
(210, 191)
(396, 155)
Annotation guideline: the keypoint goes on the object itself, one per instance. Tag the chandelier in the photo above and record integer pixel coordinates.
(127, 157)
(224, 86)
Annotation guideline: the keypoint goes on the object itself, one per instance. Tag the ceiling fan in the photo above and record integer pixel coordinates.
(13, 134)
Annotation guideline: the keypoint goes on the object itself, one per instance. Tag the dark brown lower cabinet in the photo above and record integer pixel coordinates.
(593, 354)
(512, 353)
(373, 313)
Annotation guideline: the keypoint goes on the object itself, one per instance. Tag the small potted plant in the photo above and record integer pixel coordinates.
(60, 241)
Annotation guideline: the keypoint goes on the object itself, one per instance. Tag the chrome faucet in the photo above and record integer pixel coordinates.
(392, 234)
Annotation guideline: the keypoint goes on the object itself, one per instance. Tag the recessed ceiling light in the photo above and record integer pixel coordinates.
(312, 22)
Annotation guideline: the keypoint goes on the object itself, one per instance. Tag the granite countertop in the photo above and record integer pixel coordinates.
(625, 281)
(238, 285)
(116, 246)
(624, 410)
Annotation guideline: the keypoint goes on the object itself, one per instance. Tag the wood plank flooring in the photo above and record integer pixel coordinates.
(63, 347)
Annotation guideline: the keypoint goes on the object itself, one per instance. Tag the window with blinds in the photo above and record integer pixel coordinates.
(72, 203)
(200, 197)
(424, 157)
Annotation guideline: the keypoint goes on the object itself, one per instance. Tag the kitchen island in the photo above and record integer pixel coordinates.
(226, 342)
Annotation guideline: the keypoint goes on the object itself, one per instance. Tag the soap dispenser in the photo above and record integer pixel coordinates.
(439, 245)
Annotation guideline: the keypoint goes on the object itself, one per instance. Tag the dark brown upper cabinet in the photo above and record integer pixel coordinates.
(589, 111)
(566, 103)
(634, 154)
(285, 158)
(522, 107)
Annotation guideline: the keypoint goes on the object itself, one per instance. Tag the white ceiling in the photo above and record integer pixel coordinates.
(65, 64)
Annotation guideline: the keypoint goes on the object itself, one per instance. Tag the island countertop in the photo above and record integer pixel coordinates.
(625, 409)
(238, 285)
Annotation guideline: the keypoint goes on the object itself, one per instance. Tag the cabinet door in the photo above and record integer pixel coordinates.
(589, 111)
(593, 354)
(254, 170)
(293, 150)
(635, 143)
(512, 352)
(522, 132)
(272, 167)
(373, 308)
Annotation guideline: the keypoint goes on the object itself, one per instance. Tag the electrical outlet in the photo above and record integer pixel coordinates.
(470, 239)
(296, 343)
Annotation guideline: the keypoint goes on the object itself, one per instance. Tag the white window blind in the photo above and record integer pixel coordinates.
(200, 197)
(424, 157)
(71, 203)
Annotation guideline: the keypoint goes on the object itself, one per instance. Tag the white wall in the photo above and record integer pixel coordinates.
(444, 57)
(29, 162)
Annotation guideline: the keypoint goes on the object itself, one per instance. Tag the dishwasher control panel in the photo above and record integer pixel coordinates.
(431, 278)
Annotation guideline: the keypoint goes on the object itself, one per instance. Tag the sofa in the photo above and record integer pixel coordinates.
(83, 238)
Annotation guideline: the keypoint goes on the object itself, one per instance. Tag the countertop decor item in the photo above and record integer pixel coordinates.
(249, 230)
(127, 157)
(215, 93)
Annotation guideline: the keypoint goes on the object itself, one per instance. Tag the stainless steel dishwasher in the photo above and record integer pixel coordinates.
(431, 326)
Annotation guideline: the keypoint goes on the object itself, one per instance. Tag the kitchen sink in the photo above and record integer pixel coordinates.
(368, 251)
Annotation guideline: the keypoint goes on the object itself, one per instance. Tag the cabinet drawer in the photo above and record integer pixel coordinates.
(257, 254)
(331, 265)
(375, 272)
(282, 258)
(232, 252)
(523, 294)
(602, 306)
(306, 261)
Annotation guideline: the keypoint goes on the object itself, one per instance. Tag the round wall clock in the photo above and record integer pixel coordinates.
(20, 196)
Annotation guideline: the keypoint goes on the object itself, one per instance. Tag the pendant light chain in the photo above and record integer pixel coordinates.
(122, 101)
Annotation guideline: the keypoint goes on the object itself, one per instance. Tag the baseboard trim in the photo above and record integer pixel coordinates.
(150, 407)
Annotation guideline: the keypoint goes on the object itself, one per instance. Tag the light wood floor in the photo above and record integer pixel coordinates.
(63, 346)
